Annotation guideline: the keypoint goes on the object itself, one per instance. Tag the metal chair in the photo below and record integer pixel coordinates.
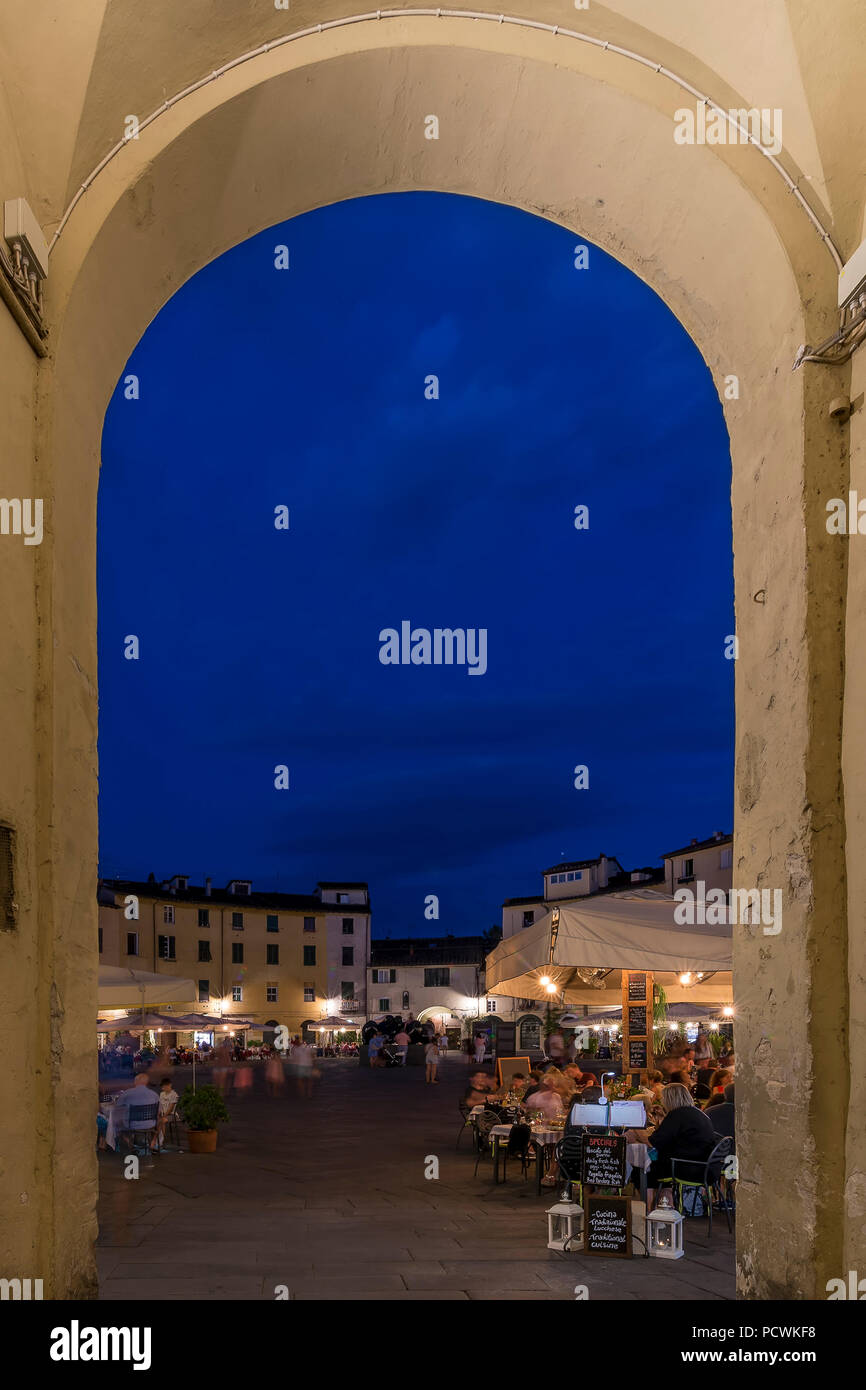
(466, 1121)
(705, 1182)
(569, 1158)
(146, 1116)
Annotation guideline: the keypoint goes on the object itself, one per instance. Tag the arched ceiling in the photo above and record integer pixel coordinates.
(71, 74)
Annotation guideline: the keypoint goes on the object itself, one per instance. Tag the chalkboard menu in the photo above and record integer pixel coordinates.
(607, 1226)
(637, 986)
(604, 1160)
(637, 1053)
(637, 1020)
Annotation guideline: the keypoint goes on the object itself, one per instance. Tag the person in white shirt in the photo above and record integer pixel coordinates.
(139, 1094)
(168, 1099)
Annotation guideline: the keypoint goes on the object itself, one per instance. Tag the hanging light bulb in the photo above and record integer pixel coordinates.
(727, 1011)
(686, 978)
(545, 980)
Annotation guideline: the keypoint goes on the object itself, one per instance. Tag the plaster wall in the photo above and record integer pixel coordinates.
(584, 138)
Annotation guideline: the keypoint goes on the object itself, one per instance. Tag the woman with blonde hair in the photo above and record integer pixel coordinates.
(685, 1133)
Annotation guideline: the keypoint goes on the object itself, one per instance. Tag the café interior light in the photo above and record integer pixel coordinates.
(545, 980)
(551, 988)
(727, 1011)
(686, 978)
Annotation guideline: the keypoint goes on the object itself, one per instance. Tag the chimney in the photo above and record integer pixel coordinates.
(207, 887)
(718, 835)
(694, 842)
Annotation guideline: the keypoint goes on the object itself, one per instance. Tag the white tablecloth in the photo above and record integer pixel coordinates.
(106, 1108)
(637, 1156)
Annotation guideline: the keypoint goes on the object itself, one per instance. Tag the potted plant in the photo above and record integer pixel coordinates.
(203, 1110)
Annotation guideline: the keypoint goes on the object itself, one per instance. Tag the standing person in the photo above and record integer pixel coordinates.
(302, 1059)
(480, 1048)
(401, 1043)
(703, 1050)
(374, 1047)
(275, 1074)
(556, 1048)
(431, 1056)
(442, 1044)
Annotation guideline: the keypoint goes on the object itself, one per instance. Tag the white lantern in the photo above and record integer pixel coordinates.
(564, 1225)
(664, 1234)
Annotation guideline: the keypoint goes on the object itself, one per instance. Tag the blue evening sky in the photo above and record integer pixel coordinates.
(259, 647)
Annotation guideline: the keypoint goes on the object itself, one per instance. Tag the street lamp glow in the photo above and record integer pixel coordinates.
(545, 980)
(551, 988)
(686, 978)
(727, 1011)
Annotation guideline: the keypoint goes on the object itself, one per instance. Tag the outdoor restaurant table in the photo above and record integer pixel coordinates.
(106, 1108)
(543, 1137)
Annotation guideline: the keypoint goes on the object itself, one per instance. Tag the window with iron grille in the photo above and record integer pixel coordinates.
(204, 916)
(165, 947)
(273, 922)
(237, 921)
(168, 915)
(8, 905)
(309, 994)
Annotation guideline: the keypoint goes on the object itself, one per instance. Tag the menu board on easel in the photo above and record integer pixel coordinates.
(607, 1226)
(637, 1038)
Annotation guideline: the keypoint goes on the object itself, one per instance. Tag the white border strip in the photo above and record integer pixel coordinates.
(440, 13)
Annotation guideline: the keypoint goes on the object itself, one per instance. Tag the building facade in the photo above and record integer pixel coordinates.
(273, 958)
(438, 980)
(701, 861)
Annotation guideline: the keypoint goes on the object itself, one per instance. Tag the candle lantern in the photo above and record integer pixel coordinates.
(664, 1229)
(564, 1225)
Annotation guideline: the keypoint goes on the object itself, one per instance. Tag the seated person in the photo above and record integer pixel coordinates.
(721, 1078)
(168, 1099)
(684, 1133)
(546, 1099)
(480, 1089)
(139, 1094)
(533, 1084)
(721, 1116)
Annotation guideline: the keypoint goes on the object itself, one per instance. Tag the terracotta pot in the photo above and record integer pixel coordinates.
(202, 1141)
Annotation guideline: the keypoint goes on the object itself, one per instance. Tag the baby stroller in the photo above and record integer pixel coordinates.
(389, 1054)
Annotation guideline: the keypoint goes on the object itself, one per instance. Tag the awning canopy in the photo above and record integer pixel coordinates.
(121, 988)
(611, 1014)
(615, 932)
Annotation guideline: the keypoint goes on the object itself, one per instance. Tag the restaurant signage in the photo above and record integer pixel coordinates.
(637, 1053)
(637, 985)
(607, 1226)
(604, 1160)
(637, 1020)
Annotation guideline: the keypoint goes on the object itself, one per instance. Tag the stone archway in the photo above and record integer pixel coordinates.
(585, 139)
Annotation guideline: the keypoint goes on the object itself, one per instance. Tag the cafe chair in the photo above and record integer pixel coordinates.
(703, 1181)
(140, 1115)
(569, 1159)
(465, 1121)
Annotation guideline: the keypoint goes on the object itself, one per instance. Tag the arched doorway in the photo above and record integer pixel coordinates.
(585, 138)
